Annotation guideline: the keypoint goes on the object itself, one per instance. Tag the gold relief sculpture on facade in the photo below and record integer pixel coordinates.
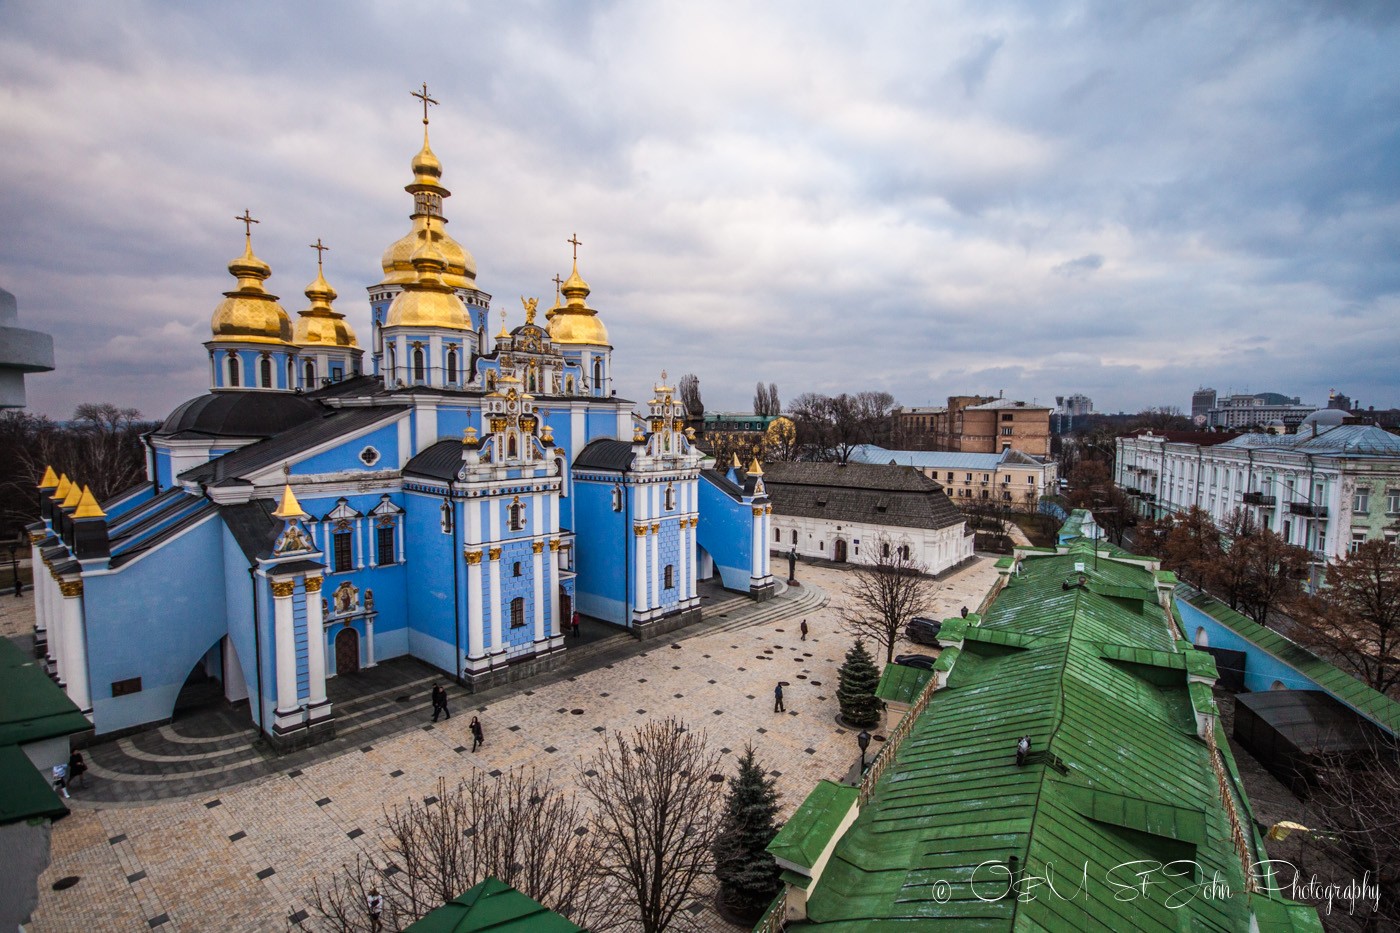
(473, 557)
(641, 530)
(292, 540)
(313, 584)
(71, 588)
(554, 545)
(655, 527)
(283, 588)
(537, 547)
(495, 553)
(757, 510)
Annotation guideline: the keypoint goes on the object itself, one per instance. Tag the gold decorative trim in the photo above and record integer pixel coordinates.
(641, 530)
(473, 557)
(283, 588)
(495, 553)
(655, 528)
(768, 510)
(71, 588)
(555, 544)
(757, 510)
(36, 536)
(537, 547)
(313, 584)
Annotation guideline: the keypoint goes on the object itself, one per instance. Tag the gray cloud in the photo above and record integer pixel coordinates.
(843, 199)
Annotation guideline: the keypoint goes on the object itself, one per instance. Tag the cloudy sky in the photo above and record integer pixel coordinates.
(1126, 200)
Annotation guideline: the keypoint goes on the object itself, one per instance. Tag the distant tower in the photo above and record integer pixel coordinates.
(580, 335)
(26, 351)
(327, 345)
(252, 336)
(1202, 401)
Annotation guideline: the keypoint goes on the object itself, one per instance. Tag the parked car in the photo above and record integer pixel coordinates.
(916, 660)
(922, 631)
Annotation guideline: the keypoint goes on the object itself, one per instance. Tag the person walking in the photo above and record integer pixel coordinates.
(578, 632)
(76, 768)
(374, 906)
(60, 779)
(778, 706)
(804, 629)
(478, 739)
(440, 702)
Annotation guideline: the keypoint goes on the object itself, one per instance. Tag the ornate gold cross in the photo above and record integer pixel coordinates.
(575, 240)
(320, 250)
(423, 96)
(248, 222)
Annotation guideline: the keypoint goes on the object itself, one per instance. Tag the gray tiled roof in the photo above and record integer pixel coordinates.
(859, 492)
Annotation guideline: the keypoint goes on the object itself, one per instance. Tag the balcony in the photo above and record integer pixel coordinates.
(1259, 498)
(1307, 509)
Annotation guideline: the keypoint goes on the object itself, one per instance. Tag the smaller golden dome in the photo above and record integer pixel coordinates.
(322, 325)
(576, 323)
(426, 162)
(427, 301)
(248, 313)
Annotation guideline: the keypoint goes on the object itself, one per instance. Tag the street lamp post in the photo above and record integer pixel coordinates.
(863, 740)
(14, 565)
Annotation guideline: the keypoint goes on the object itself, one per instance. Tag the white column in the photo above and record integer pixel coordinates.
(682, 561)
(315, 643)
(556, 558)
(655, 573)
(756, 559)
(767, 537)
(58, 644)
(369, 641)
(495, 607)
(639, 531)
(284, 635)
(475, 623)
(359, 544)
(75, 647)
(41, 621)
(694, 557)
(537, 568)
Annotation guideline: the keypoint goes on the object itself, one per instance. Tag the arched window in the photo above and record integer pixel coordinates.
(778, 535)
(265, 372)
(451, 365)
(1202, 639)
(517, 612)
(309, 375)
(515, 514)
(491, 379)
(670, 497)
(515, 570)
(884, 549)
(393, 364)
(418, 364)
(794, 536)
(670, 577)
(233, 369)
(569, 385)
(291, 373)
(598, 375)
(616, 498)
(511, 450)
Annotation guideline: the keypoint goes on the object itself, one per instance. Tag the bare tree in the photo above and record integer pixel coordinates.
(689, 387)
(1356, 618)
(657, 816)
(884, 592)
(519, 828)
(830, 427)
(765, 400)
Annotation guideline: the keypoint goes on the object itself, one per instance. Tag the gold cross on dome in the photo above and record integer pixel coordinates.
(577, 243)
(423, 96)
(320, 251)
(248, 222)
(663, 377)
(558, 284)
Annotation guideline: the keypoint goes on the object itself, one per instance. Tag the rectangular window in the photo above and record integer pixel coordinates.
(1357, 539)
(950, 476)
(1361, 502)
(342, 542)
(1006, 417)
(1005, 432)
(1006, 478)
(517, 612)
(670, 577)
(969, 478)
(385, 536)
(1392, 502)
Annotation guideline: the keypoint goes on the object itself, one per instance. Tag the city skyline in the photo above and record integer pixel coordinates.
(1040, 202)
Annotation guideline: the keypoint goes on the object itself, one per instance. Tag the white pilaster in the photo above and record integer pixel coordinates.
(756, 559)
(75, 644)
(556, 557)
(537, 569)
(475, 623)
(315, 648)
(360, 543)
(369, 640)
(284, 637)
(495, 606)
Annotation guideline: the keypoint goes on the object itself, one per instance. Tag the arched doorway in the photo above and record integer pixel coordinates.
(839, 550)
(566, 609)
(347, 651)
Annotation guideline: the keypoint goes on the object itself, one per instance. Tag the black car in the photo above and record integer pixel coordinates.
(922, 631)
(916, 660)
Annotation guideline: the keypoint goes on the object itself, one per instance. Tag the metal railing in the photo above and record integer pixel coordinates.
(1227, 797)
(1259, 498)
(775, 918)
(1307, 509)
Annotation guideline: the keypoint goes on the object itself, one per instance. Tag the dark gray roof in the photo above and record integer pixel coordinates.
(726, 486)
(860, 492)
(227, 470)
(252, 526)
(356, 385)
(605, 454)
(245, 413)
(441, 461)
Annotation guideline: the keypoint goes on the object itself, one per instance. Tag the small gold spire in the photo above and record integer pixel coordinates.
(504, 333)
(289, 508)
(61, 490)
(637, 436)
(755, 469)
(88, 507)
(736, 464)
(74, 496)
(50, 479)
(469, 438)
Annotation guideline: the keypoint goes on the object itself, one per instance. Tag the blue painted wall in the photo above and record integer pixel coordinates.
(170, 599)
(346, 456)
(726, 533)
(238, 610)
(602, 553)
(429, 600)
(1261, 669)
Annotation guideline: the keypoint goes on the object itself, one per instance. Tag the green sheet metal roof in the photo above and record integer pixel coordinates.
(32, 706)
(902, 684)
(803, 837)
(1116, 775)
(1372, 704)
(496, 907)
(27, 793)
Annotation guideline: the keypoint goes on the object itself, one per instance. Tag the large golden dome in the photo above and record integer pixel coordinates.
(248, 313)
(575, 322)
(322, 325)
(427, 300)
(398, 258)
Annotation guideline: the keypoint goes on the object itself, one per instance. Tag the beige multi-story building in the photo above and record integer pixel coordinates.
(977, 424)
(1010, 476)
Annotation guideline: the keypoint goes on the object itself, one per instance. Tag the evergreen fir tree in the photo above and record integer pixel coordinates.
(856, 691)
(748, 876)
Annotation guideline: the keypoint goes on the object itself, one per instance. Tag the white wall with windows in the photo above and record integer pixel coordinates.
(937, 549)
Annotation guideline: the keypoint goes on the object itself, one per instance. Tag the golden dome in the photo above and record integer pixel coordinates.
(397, 261)
(576, 323)
(427, 300)
(248, 313)
(321, 324)
(426, 163)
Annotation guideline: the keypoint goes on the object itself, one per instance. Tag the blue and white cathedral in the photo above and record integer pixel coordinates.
(457, 500)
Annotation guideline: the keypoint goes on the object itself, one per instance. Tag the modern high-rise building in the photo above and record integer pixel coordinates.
(1202, 401)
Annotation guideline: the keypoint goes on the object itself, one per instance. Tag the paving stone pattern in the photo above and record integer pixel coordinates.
(229, 837)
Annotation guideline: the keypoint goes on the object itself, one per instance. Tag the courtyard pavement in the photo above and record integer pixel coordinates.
(241, 848)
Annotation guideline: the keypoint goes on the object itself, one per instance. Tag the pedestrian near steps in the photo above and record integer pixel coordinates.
(478, 738)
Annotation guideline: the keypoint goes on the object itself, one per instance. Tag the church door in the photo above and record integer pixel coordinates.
(840, 550)
(347, 651)
(566, 608)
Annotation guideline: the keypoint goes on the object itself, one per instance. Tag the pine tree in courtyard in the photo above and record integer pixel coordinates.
(856, 692)
(748, 876)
